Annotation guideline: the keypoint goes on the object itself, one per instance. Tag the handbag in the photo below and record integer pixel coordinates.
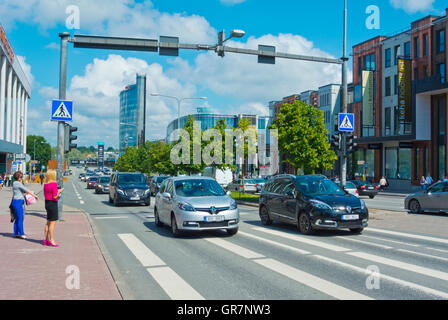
(11, 212)
(29, 199)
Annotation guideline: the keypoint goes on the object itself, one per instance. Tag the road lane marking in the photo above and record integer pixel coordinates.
(363, 242)
(409, 235)
(393, 241)
(389, 278)
(174, 286)
(423, 254)
(245, 253)
(273, 243)
(303, 239)
(312, 281)
(401, 265)
(143, 254)
(81, 202)
(305, 278)
(439, 250)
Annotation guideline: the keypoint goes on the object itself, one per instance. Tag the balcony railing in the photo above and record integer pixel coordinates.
(433, 83)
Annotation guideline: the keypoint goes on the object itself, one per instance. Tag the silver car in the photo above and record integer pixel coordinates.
(237, 185)
(194, 204)
(434, 199)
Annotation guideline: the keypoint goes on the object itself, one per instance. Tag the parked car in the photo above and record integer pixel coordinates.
(91, 182)
(259, 183)
(366, 189)
(350, 188)
(237, 185)
(310, 203)
(155, 184)
(103, 185)
(433, 199)
(223, 177)
(195, 204)
(128, 188)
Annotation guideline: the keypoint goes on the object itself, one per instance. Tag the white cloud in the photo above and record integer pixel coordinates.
(109, 17)
(413, 6)
(26, 69)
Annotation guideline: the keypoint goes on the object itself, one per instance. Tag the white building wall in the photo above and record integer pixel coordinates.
(2, 96)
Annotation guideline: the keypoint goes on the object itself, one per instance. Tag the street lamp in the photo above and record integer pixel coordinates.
(179, 100)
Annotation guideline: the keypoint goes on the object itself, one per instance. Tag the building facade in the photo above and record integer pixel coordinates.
(133, 115)
(330, 104)
(15, 91)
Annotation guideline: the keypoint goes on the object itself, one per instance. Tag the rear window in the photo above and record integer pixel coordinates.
(350, 185)
(93, 179)
(104, 179)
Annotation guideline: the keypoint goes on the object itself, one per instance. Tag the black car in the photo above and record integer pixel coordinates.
(128, 188)
(365, 189)
(103, 185)
(155, 184)
(310, 203)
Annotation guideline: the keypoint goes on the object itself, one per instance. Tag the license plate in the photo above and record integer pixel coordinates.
(370, 188)
(350, 217)
(214, 219)
(135, 198)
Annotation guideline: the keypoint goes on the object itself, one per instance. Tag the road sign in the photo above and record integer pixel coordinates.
(61, 110)
(346, 122)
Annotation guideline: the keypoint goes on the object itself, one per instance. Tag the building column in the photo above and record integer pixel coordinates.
(2, 96)
(14, 111)
(25, 121)
(8, 105)
(19, 113)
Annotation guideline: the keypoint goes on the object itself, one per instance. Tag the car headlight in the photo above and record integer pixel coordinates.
(100, 186)
(147, 191)
(120, 191)
(185, 206)
(233, 205)
(363, 204)
(321, 205)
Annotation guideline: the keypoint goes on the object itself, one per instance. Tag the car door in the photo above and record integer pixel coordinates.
(112, 188)
(160, 203)
(276, 199)
(433, 199)
(167, 202)
(289, 200)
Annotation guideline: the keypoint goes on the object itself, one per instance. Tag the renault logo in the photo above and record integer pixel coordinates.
(213, 210)
(349, 209)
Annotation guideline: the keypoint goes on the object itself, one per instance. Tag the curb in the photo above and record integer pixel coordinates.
(249, 204)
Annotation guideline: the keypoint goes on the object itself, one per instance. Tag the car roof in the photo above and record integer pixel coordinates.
(191, 178)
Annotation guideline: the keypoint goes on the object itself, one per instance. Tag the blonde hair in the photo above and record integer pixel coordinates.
(50, 176)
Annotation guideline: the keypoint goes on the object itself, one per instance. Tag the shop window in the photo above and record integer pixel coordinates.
(391, 163)
(404, 164)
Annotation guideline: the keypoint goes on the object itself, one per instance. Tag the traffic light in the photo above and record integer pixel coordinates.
(336, 141)
(69, 138)
(350, 143)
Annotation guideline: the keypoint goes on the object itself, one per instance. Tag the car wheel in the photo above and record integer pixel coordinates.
(174, 230)
(371, 197)
(305, 224)
(157, 219)
(356, 230)
(232, 232)
(264, 216)
(414, 206)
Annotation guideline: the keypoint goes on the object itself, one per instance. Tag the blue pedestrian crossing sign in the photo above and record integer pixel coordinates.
(61, 110)
(346, 122)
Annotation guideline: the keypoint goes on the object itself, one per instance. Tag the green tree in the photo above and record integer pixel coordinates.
(128, 162)
(43, 149)
(159, 158)
(302, 136)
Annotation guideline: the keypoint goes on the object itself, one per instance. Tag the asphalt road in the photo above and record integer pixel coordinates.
(262, 262)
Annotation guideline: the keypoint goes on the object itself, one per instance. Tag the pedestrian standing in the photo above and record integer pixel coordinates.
(423, 183)
(41, 178)
(6, 180)
(1, 182)
(429, 180)
(51, 193)
(18, 199)
(383, 183)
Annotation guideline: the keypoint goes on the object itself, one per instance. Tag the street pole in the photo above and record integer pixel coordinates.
(178, 117)
(61, 124)
(343, 158)
(34, 154)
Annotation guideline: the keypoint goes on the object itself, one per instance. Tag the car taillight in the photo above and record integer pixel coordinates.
(241, 186)
(376, 187)
(363, 187)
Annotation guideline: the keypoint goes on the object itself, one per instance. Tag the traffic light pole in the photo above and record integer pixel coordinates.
(61, 124)
(343, 158)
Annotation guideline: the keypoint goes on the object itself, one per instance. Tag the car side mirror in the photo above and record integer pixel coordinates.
(166, 195)
(229, 193)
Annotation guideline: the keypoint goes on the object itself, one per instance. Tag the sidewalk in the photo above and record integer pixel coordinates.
(30, 271)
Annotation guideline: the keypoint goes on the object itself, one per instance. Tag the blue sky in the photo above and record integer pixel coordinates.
(234, 84)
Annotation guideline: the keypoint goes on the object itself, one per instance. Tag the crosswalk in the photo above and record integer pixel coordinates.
(340, 262)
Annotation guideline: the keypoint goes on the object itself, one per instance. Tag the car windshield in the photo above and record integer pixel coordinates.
(311, 186)
(350, 185)
(249, 181)
(93, 179)
(104, 179)
(131, 178)
(161, 179)
(198, 188)
(259, 180)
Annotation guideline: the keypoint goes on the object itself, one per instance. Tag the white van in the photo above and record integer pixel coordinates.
(223, 177)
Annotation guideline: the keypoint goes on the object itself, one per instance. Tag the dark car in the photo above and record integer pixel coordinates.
(81, 175)
(128, 188)
(91, 182)
(155, 184)
(103, 185)
(365, 189)
(310, 203)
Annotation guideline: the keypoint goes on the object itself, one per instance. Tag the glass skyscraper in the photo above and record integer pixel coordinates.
(133, 115)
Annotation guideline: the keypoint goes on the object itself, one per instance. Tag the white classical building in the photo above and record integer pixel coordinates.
(15, 91)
